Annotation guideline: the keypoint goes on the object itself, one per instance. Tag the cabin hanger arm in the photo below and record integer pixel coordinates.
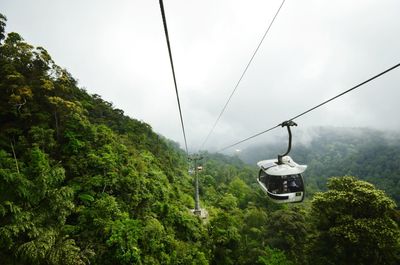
(287, 124)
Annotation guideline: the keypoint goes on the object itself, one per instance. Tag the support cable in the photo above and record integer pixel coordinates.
(347, 91)
(173, 73)
(313, 108)
(241, 77)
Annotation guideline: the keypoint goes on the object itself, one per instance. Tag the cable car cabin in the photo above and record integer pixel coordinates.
(282, 183)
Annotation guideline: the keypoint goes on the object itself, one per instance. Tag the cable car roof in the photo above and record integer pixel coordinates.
(289, 167)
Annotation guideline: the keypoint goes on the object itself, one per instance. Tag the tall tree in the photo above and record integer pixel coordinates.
(3, 20)
(354, 225)
(287, 231)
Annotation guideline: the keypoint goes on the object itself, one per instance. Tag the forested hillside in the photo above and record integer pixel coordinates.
(82, 183)
(368, 154)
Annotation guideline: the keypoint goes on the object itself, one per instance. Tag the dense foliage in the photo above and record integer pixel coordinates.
(81, 183)
(353, 221)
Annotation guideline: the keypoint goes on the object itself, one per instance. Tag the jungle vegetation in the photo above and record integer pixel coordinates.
(82, 183)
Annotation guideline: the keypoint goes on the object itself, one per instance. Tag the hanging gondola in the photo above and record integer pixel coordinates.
(281, 178)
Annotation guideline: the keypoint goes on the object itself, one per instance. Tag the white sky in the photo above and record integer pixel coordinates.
(315, 50)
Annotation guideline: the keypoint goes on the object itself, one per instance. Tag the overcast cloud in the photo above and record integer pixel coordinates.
(315, 49)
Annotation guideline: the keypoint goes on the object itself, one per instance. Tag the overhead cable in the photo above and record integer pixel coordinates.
(173, 73)
(241, 77)
(248, 138)
(347, 91)
(313, 108)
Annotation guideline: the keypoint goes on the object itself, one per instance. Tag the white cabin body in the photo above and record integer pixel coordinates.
(282, 183)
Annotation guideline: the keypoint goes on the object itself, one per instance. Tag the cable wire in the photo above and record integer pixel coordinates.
(241, 77)
(248, 138)
(347, 91)
(173, 73)
(313, 108)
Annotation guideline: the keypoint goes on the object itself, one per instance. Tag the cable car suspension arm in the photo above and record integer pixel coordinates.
(287, 124)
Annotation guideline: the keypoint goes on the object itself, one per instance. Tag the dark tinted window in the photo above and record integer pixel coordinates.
(282, 184)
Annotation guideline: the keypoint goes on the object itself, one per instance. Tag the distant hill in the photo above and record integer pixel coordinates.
(369, 154)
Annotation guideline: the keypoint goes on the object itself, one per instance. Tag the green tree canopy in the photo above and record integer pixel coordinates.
(354, 224)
